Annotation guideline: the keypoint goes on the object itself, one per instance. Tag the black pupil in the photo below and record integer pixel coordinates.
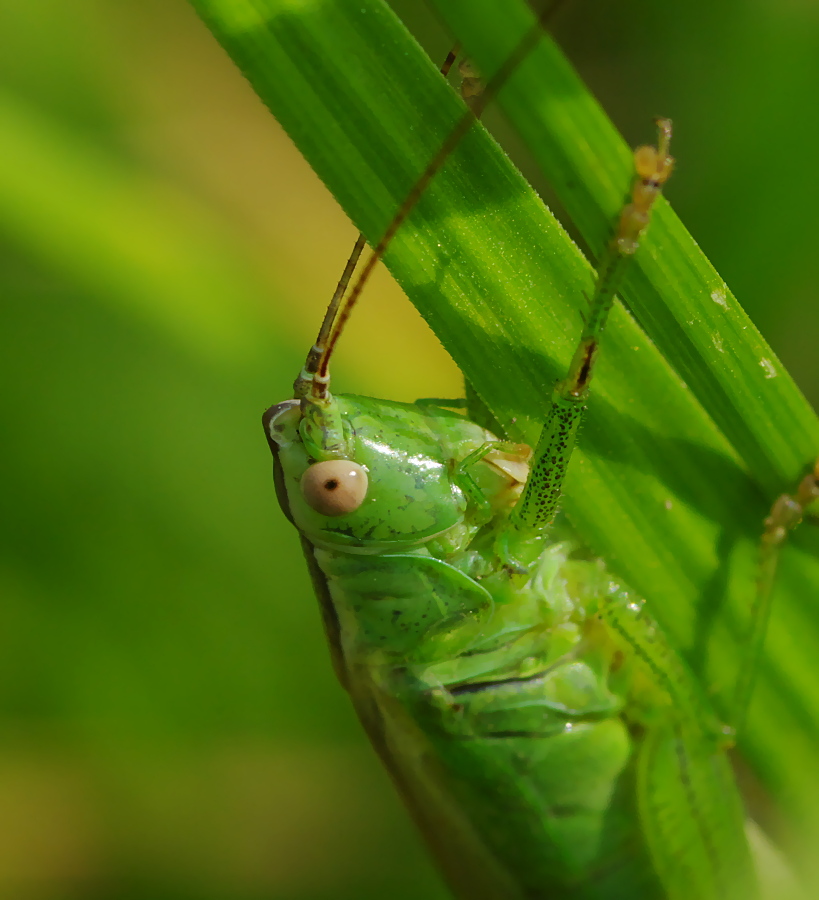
(331, 484)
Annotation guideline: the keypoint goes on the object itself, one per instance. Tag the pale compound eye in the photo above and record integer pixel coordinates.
(335, 487)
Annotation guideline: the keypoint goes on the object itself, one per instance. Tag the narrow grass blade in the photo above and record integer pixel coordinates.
(672, 481)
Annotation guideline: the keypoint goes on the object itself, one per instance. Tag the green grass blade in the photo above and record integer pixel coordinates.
(673, 289)
(674, 476)
(471, 259)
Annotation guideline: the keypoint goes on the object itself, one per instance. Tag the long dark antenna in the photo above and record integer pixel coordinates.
(494, 84)
(301, 386)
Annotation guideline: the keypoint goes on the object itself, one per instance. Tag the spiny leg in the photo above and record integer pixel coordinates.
(786, 513)
(537, 507)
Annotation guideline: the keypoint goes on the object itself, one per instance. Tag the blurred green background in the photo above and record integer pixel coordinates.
(170, 723)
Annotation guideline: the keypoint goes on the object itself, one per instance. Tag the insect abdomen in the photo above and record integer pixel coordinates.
(558, 804)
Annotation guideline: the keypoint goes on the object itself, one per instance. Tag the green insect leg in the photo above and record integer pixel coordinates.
(692, 816)
(786, 513)
(536, 510)
(691, 812)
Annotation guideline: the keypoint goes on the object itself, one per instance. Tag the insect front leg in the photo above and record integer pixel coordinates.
(507, 460)
(534, 514)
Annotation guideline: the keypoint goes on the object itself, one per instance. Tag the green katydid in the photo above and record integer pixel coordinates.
(546, 738)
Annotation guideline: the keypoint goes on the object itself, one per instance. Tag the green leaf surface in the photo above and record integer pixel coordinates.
(692, 429)
(673, 290)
